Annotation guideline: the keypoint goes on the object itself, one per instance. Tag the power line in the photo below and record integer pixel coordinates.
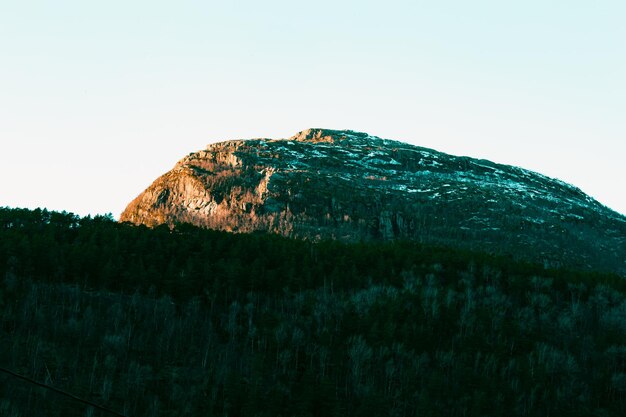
(58, 391)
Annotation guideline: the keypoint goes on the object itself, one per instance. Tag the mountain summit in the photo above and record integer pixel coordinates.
(351, 186)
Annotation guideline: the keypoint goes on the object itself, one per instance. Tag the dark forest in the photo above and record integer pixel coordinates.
(183, 321)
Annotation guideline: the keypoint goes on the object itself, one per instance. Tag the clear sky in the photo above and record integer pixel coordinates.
(97, 99)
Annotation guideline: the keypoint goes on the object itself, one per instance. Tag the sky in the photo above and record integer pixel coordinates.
(97, 99)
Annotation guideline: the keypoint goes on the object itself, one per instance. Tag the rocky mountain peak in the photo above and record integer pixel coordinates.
(350, 186)
(316, 135)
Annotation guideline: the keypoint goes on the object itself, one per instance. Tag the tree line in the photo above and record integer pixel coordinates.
(184, 321)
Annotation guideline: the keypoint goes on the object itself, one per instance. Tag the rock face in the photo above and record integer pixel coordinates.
(326, 184)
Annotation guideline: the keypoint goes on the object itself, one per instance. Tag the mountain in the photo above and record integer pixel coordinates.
(350, 186)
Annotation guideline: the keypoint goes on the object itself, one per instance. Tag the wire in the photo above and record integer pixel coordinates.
(58, 391)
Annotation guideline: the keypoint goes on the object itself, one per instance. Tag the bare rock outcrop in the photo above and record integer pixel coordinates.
(328, 184)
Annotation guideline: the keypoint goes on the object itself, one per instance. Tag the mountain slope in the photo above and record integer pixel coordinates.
(352, 186)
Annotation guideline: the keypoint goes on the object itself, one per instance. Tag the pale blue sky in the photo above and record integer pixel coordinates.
(97, 99)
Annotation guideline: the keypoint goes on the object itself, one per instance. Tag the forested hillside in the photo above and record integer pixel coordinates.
(191, 322)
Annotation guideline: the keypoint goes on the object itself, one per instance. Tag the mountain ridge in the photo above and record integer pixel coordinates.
(352, 186)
